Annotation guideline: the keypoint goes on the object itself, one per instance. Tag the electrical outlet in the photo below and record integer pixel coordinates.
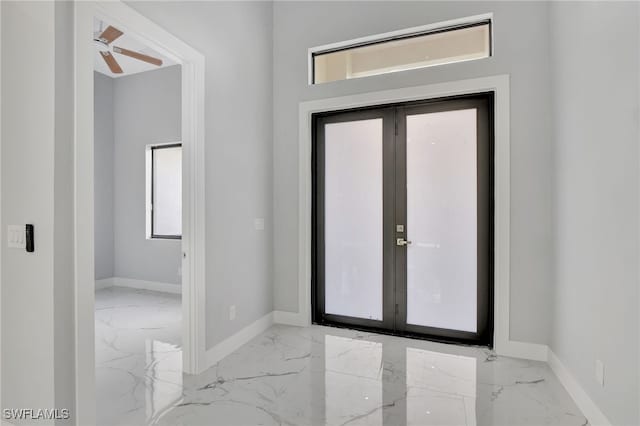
(600, 372)
(232, 312)
(258, 223)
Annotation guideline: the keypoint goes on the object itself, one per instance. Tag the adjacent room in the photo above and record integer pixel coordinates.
(334, 213)
(138, 226)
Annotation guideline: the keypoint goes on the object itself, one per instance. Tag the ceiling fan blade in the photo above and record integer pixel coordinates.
(110, 34)
(138, 56)
(113, 65)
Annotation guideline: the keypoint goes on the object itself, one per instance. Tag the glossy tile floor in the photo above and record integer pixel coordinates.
(304, 376)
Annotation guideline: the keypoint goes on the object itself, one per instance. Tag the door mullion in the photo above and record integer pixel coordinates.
(388, 217)
(400, 213)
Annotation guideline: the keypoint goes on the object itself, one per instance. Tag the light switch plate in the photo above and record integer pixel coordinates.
(16, 237)
(258, 223)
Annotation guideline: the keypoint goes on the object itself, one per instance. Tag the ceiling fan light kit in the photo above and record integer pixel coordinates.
(100, 44)
(103, 43)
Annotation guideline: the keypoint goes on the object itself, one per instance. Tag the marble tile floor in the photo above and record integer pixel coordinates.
(308, 376)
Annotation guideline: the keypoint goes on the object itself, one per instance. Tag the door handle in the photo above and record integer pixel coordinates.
(402, 242)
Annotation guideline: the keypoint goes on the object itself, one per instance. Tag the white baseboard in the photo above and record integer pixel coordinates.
(524, 350)
(581, 398)
(289, 318)
(147, 285)
(139, 284)
(104, 283)
(232, 343)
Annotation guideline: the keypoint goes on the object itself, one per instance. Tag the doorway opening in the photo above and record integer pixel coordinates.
(158, 44)
(138, 231)
(402, 218)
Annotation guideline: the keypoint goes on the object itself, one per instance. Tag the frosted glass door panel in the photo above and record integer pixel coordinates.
(442, 220)
(353, 219)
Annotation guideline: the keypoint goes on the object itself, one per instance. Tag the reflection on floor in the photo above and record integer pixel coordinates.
(304, 376)
(138, 355)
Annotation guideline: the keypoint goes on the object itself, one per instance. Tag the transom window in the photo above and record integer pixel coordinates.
(437, 44)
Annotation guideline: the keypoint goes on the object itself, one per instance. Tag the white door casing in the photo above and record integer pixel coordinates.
(193, 195)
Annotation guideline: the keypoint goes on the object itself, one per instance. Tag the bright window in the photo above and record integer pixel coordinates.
(164, 191)
(403, 50)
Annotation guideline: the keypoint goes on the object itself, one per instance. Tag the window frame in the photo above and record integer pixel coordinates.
(150, 182)
(407, 33)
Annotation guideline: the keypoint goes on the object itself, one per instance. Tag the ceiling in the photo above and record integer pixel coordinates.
(129, 65)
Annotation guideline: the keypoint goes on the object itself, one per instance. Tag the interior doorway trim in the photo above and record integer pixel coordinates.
(193, 197)
(499, 85)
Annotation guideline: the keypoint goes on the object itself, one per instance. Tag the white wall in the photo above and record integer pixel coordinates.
(147, 109)
(1, 222)
(27, 279)
(236, 39)
(521, 50)
(596, 50)
(36, 164)
(103, 171)
(63, 237)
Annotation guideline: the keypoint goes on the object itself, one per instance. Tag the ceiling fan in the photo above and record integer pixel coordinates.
(103, 42)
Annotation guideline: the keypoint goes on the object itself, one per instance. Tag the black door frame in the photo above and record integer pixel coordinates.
(394, 127)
